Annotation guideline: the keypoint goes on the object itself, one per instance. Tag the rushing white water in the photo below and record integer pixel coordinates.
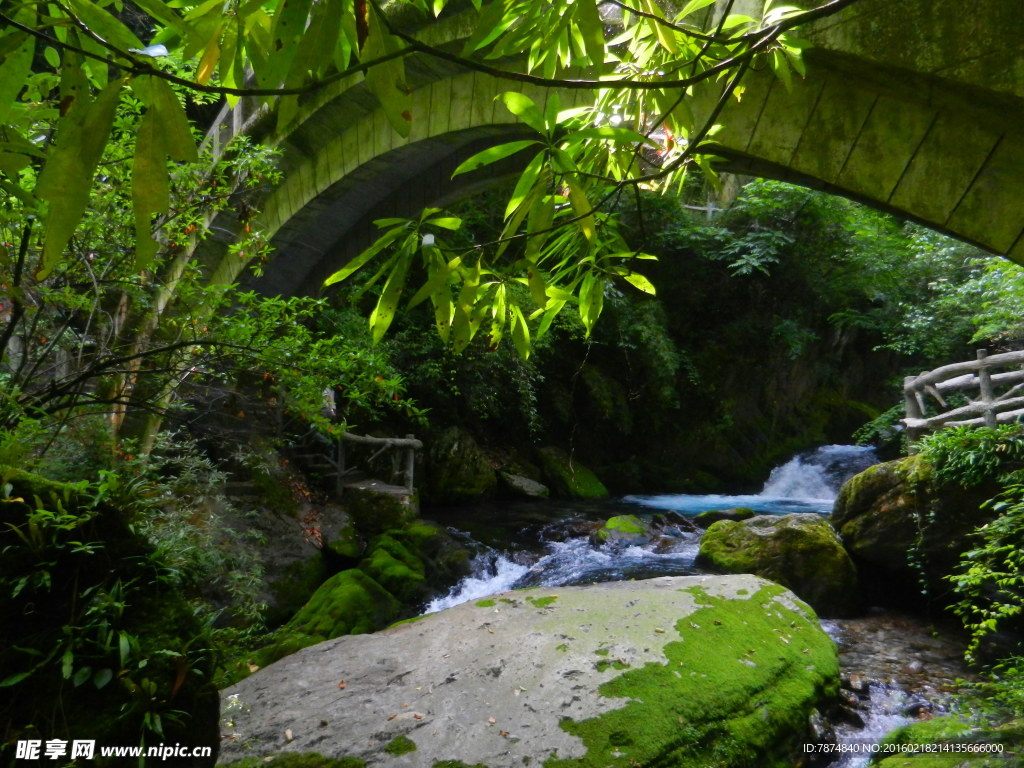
(808, 482)
(883, 713)
(490, 574)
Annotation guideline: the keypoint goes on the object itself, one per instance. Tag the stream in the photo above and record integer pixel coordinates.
(894, 668)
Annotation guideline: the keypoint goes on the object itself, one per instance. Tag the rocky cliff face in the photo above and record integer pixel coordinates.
(670, 671)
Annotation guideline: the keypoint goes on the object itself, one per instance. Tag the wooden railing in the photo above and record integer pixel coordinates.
(403, 460)
(978, 381)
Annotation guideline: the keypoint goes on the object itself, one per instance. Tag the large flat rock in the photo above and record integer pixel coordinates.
(672, 669)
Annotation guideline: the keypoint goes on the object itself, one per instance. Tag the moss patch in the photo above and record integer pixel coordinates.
(392, 565)
(567, 477)
(485, 603)
(735, 690)
(400, 745)
(348, 603)
(542, 602)
(952, 731)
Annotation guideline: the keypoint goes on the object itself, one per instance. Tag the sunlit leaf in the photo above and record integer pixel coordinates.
(523, 107)
(641, 282)
(379, 245)
(491, 155)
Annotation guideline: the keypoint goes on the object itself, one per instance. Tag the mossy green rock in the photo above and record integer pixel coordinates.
(948, 731)
(894, 514)
(458, 470)
(622, 528)
(377, 507)
(799, 551)
(567, 477)
(392, 565)
(344, 543)
(738, 514)
(350, 602)
(687, 672)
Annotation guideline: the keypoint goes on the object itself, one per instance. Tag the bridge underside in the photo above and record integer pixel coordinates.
(927, 128)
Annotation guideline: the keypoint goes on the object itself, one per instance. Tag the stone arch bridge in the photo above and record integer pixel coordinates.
(913, 106)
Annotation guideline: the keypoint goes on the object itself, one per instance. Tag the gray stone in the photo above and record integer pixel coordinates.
(518, 485)
(597, 670)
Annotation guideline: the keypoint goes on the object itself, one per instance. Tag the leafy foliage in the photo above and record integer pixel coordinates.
(101, 627)
(968, 455)
(71, 71)
(989, 582)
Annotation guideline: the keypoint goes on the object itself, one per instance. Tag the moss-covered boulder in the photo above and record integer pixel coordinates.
(350, 602)
(445, 559)
(901, 526)
(342, 541)
(396, 568)
(97, 641)
(458, 470)
(522, 487)
(567, 477)
(628, 529)
(687, 672)
(737, 514)
(376, 507)
(800, 551)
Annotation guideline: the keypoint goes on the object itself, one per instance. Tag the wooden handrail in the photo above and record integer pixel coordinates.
(986, 408)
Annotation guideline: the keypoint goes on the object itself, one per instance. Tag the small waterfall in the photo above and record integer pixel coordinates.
(489, 574)
(884, 711)
(817, 475)
(809, 482)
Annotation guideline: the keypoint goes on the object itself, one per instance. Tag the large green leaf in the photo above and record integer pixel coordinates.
(66, 179)
(379, 245)
(492, 155)
(150, 187)
(384, 312)
(175, 132)
(387, 80)
(13, 70)
(525, 109)
(104, 24)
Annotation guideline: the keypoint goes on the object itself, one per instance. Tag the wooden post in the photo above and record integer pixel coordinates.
(985, 384)
(912, 409)
(339, 467)
(410, 463)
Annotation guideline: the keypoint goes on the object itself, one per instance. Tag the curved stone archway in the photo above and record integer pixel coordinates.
(912, 106)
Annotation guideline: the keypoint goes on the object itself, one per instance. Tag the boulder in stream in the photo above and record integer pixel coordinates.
(906, 531)
(800, 551)
(682, 671)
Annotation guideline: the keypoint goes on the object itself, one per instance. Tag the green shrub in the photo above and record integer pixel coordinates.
(967, 456)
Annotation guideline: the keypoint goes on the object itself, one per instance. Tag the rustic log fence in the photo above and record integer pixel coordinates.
(403, 458)
(970, 377)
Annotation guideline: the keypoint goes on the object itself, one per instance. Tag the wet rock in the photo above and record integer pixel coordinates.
(705, 519)
(517, 485)
(799, 551)
(895, 513)
(622, 529)
(458, 470)
(567, 477)
(583, 671)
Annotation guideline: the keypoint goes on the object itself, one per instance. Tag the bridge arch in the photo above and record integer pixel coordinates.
(927, 129)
